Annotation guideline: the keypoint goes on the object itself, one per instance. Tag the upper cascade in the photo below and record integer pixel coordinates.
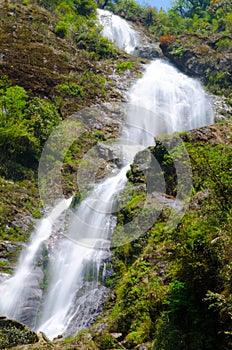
(117, 30)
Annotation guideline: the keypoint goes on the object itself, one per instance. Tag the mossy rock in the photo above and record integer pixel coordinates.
(13, 333)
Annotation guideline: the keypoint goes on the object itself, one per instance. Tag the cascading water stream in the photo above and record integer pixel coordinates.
(118, 31)
(176, 102)
(173, 102)
(17, 289)
(89, 234)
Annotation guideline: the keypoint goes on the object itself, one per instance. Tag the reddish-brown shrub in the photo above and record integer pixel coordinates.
(167, 39)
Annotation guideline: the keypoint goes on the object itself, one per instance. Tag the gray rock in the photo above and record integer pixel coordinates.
(222, 109)
(87, 305)
(4, 276)
(149, 51)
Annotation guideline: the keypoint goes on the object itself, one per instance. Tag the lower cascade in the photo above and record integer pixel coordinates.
(162, 101)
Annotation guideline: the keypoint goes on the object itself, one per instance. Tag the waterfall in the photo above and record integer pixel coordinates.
(21, 291)
(162, 101)
(89, 233)
(118, 31)
(177, 102)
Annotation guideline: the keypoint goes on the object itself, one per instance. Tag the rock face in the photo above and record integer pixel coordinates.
(149, 51)
(152, 164)
(214, 134)
(14, 333)
(88, 305)
(201, 57)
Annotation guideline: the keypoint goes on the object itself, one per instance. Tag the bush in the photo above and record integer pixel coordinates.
(42, 116)
(24, 127)
(13, 101)
(19, 151)
(167, 39)
(88, 37)
(85, 8)
(224, 45)
(123, 66)
(13, 336)
(71, 89)
(62, 29)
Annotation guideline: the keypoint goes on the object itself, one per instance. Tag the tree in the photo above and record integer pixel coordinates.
(188, 8)
(12, 104)
(85, 8)
(42, 116)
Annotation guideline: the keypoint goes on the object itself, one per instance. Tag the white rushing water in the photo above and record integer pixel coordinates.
(177, 102)
(117, 30)
(16, 290)
(162, 101)
(89, 238)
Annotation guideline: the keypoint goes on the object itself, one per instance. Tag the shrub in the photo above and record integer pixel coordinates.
(62, 29)
(88, 37)
(123, 66)
(167, 39)
(12, 104)
(85, 8)
(224, 45)
(42, 116)
(71, 89)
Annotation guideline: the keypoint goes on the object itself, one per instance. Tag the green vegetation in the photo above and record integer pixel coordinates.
(25, 125)
(123, 66)
(189, 8)
(13, 333)
(77, 22)
(88, 37)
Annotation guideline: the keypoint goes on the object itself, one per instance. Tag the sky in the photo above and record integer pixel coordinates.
(165, 4)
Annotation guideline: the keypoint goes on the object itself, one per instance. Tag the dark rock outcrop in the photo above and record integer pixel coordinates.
(201, 57)
(149, 51)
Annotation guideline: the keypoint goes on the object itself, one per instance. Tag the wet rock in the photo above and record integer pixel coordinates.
(27, 301)
(30, 301)
(88, 304)
(149, 51)
(4, 276)
(151, 168)
(222, 109)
